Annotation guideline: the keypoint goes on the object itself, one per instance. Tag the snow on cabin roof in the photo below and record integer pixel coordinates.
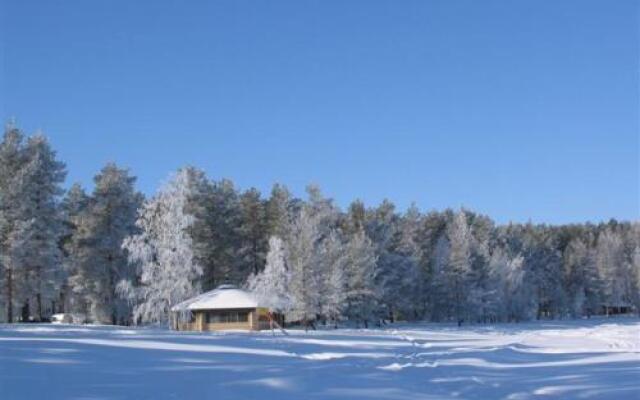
(222, 297)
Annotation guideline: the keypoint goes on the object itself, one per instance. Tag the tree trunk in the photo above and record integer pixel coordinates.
(26, 311)
(62, 307)
(9, 296)
(39, 306)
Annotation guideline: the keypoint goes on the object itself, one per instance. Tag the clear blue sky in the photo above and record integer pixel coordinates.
(517, 109)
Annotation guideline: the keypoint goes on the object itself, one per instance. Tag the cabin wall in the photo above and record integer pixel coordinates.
(258, 319)
(221, 326)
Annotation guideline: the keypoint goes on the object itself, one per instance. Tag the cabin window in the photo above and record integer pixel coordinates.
(225, 317)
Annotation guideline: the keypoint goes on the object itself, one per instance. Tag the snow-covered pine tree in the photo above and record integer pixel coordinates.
(38, 233)
(100, 259)
(543, 266)
(218, 239)
(201, 231)
(582, 280)
(381, 227)
(73, 207)
(253, 232)
(409, 248)
(361, 293)
(277, 211)
(271, 286)
(12, 160)
(406, 288)
(355, 218)
(162, 253)
(480, 290)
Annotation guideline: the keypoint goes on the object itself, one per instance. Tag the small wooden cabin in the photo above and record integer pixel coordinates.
(226, 307)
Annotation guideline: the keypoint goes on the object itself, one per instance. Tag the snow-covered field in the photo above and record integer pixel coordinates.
(597, 359)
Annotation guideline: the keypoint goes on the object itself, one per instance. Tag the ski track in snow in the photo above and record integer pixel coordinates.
(587, 359)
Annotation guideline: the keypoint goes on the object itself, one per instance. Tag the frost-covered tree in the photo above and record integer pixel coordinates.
(30, 179)
(459, 266)
(37, 234)
(480, 291)
(634, 282)
(610, 264)
(73, 209)
(12, 188)
(355, 218)
(100, 260)
(361, 294)
(511, 298)
(162, 253)
(440, 298)
(407, 286)
(332, 260)
(382, 228)
(360, 264)
(271, 286)
(543, 265)
(301, 246)
(582, 280)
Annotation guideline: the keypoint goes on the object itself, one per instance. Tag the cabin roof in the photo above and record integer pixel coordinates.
(222, 297)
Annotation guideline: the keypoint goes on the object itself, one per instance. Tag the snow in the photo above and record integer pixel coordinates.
(586, 359)
(223, 297)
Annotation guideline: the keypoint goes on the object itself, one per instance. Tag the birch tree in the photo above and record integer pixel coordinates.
(459, 270)
(162, 253)
(271, 286)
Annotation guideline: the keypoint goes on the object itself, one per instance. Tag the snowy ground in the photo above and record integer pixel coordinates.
(598, 359)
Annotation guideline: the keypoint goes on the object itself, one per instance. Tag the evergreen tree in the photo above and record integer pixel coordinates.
(100, 259)
(583, 283)
(74, 205)
(38, 233)
(361, 294)
(277, 211)
(220, 244)
(12, 160)
(253, 232)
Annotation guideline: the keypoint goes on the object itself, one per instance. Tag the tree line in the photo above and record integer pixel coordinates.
(114, 257)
